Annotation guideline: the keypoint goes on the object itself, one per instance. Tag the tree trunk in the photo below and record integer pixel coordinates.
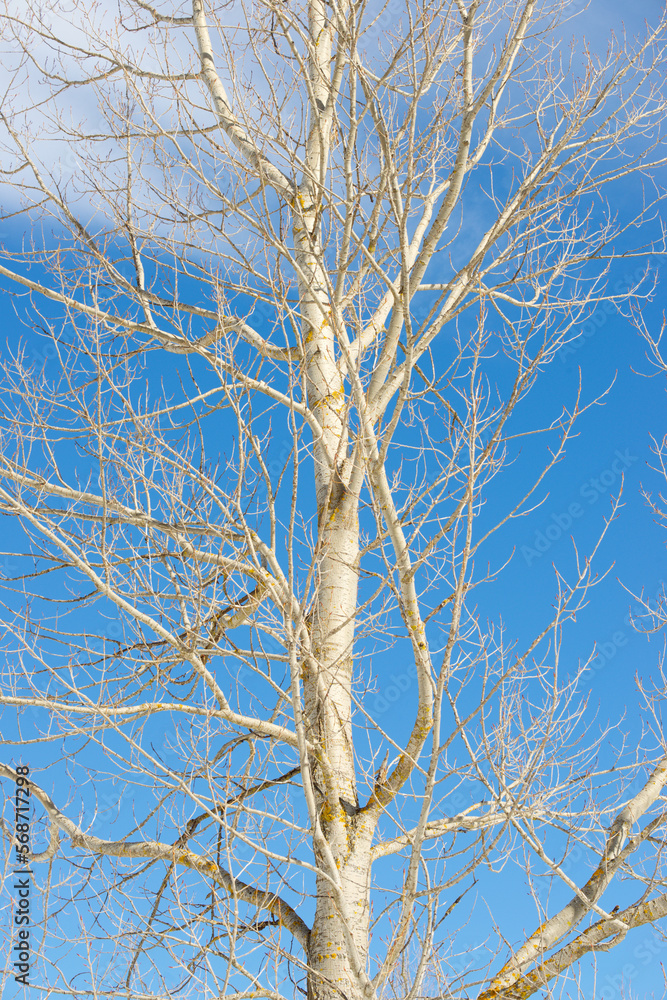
(328, 677)
(331, 975)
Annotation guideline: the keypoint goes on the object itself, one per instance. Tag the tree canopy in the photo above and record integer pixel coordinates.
(294, 280)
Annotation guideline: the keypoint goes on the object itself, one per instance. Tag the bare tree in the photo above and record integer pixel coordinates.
(253, 495)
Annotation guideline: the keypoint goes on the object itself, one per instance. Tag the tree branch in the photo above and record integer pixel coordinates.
(157, 851)
(228, 120)
(591, 940)
(562, 923)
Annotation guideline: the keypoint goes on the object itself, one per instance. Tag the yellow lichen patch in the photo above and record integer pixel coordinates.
(327, 813)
